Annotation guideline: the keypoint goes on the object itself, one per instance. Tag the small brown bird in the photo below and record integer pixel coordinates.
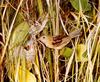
(58, 42)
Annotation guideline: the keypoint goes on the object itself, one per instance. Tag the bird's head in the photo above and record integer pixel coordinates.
(47, 40)
(43, 39)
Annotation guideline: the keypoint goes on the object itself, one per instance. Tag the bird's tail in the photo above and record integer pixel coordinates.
(75, 33)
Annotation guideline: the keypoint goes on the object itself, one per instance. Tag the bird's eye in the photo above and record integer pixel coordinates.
(43, 37)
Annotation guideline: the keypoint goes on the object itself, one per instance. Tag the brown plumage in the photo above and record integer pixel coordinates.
(58, 42)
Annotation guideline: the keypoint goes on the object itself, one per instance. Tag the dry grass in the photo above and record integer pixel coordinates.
(23, 22)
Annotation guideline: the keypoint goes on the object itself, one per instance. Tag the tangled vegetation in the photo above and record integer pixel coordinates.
(49, 41)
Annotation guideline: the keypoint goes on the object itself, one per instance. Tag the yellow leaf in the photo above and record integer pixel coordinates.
(99, 79)
(81, 53)
(28, 76)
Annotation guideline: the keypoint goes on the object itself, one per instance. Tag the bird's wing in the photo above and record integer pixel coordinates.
(64, 42)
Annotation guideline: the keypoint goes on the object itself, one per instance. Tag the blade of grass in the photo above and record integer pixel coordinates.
(9, 34)
(40, 7)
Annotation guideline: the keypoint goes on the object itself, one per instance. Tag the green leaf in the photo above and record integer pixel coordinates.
(81, 53)
(66, 52)
(19, 19)
(81, 4)
(19, 34)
